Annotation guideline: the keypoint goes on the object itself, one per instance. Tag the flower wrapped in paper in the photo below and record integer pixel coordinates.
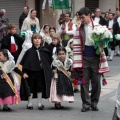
(117, 36)
(101, 37)
(23, 34)
(63, 67)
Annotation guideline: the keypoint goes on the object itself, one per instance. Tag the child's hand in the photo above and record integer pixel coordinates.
(54, 71)
(25, 76)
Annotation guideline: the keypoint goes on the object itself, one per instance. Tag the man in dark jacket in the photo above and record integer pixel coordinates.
(98, 18)
(23, 16)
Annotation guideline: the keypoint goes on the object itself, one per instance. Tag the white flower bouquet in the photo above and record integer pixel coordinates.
(58, 64)
(117, 36)
(101, 37)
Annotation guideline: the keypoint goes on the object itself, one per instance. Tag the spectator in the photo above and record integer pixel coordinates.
(23, 16)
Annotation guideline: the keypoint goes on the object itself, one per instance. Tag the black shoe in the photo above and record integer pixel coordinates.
(7, 109)
(41, 107)
(30, 107)
(85, 109)
(95, 108)
(58, 106)
(76, 90)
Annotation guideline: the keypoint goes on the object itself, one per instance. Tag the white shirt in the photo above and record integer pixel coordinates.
(71, 32)
(110, 24)
(88, 29)
(97, 19)
(118, 20)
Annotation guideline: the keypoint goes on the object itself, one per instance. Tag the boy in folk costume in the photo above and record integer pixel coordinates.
(87, 61)
(67, 30)
(13, 42)
(36, 63)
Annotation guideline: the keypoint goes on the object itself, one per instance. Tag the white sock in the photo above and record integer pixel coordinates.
(112, 54)
(109, 52)
(39, 99)
(30, 100)
(117, 49)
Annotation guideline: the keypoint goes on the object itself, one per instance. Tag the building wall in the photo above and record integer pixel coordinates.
(30, 3)
(78, 4)
(106, 5)
(46, 16)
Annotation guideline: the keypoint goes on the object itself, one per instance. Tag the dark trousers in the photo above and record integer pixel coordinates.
(115, 117)
(91, 65)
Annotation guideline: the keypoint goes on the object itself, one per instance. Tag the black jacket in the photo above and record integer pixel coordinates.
(21, 19)
(31, 62)
(51, 46)
(6, 44)
(102, 20)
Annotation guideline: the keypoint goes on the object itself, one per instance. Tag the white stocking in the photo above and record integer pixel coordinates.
(117, 49)
(39, 99)
(112, 54)
(30, 100)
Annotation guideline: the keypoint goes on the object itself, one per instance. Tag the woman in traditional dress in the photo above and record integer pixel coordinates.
(30, 25)
(45, 35)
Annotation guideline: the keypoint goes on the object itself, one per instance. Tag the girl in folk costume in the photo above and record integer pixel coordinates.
(45, 35)
(13, 42)
(69, 49)
(61, 86)
(36, 63)
(31, 23)
(88, 65)
(52, 31)
(54, 45)
(8, 82)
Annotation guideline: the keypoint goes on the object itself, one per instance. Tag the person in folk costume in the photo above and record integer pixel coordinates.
(23, 16)
(61, 86)
(9, 94)
(100, 20)
(2, 27)
(86, 63)
(4, 22)
(116, 115)
(52, 31)
(117, 31)
(69, 49)
(31, 23)
(106, 17)
(76, 20)
(38, 70)
(54, 45)
(13, 42)
(45, 35)
(111, 26)
(66, 30)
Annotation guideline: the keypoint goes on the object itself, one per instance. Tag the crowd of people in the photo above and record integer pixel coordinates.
(54, 61)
